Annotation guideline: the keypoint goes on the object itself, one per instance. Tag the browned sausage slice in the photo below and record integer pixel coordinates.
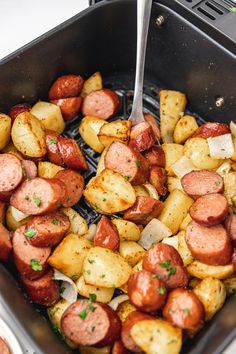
(126, 338)
(101, 103)
(53, 151)
(107, 235)
(10, 172)
(142, 137)
(39, 196)
(198, 183)
(164, 261)
(17, 109)
(30, 261)
(146, 291)
(2, 212)
(69, 106)
(144, 210)
(74, 183)
(4, 349)
(210, 245)
(230, 224)
(154, 124)
(155, 156)
(92, 324)
(210, 209)
(183, 309)
(158, 178)
(118, 348)
(211, 129)
(5, 243)
(71, 154)
(43, 291)
(66, 86)
(47, 230)
(29, 169)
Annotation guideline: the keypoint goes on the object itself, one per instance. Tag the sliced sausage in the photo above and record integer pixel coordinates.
(154, 124)
(210, 245)
(43, 291)
(2, 212)
(69, 106)
(47, 230)
(92, 324)
(211, 129)
(198, 183)
(155, 156)
(17, 109)
(10, 173)
(118, 348)
(101, 103)
(107, 235)
(127, 162)
(146, 291)
(164, 261)
(210, 209)
(144, 210)
(183, 309)
(142, 137)
(5, 243)
(53, 151)
(230, 224)
(30, 261)
(130, 321)
(66, 86)
(71, 154)
(4, 349)
(158, 178)
(74, 183)
(29, 169)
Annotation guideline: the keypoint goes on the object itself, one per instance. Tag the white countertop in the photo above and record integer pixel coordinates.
(20, 22)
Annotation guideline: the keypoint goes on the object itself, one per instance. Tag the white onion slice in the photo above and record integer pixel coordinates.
(114, 303)
(224, 168)
(91, 232)
(151, 190)
(153, 232)
(182, 167)
(233, 128)
(17, 214)
(69, 292)
(172, 241)
(221, 147)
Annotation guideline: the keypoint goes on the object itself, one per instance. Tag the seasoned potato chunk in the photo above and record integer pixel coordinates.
(93, 83)
(202, 270)
(102, 294)
(132, 252)
(47, 169)
(173, 152)
(89, 129)
(50, 116)
(128, 231)
(5, 130)
(185, 128)
(119, 130)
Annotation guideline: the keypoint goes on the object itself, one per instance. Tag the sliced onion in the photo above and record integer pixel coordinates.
(153, 232)
(17, 214)
(233, 128)
(114, 303)
(182, 167)
(221, 147)
(151, 190)
(224, 168)
(69, 292)
(172, 241)
(91, 232)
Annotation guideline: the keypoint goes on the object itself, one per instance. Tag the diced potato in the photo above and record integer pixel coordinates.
(89, 129)
(124, 309)
(69, 255)
(78, 225)
(12, 223)
(172, 107)
(93, 350)
(183, 249)
(197, 150)
(172, 241)
(132, 252)
(230, 285)
(174, 183)
(11, 149)
(128, 231)
(47, 169)
(93, 83)
(202, 270)
(212, 294)
(28, 135)
(184, 129)
(182, 166)
(230, 186)
(141, 191)
(157, 336)
(103, 294)
(153, 232)
(173, 152)
(118, 130)
(101, 162)
(109, 192)
(185, 222)
(5, 130)
(50, 116)
(104, 268)
(176, 207)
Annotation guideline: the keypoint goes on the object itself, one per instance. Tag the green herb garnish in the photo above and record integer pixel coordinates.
(186, 310)
(161, 291)
(29, 233)
(24, 171)
(172, 271)
(165, 264)
(138, 164)
(36, 200)
(91, 261)
(55, 221)
(52, 141)
(62, 289)
(92, 297)
(36, 266)
(127, 178)
(83, 314)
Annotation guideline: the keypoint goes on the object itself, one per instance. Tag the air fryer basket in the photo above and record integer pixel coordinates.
(182, 54)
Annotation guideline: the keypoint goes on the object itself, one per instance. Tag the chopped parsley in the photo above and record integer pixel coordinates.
(74, 277)
(172, 271)
(83, 314)
(62, 289)
(91, 261)
(55, 221)
(36, 266)
(186, 310)
(29, 233)
(102, 276)
(165, 264)
(92, 297)
(24, 171)
(88, 271)
(52, 141)
(127, 178)
(36, 200)
(104, 200)
(138, 164)
(161, 290)
(27, 198)
(218, 183)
